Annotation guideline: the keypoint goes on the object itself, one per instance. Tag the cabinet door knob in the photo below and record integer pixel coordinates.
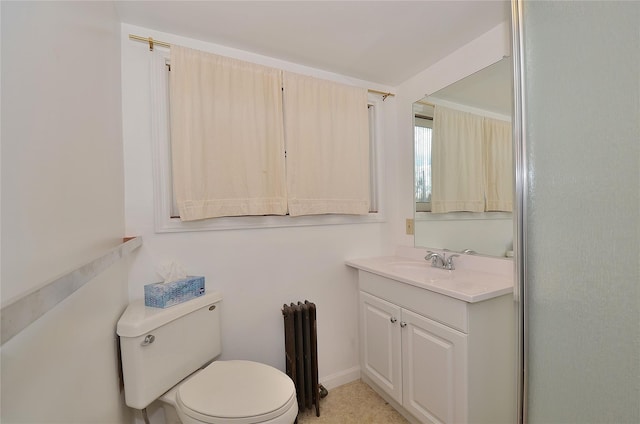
(393, 320)
(403, 324)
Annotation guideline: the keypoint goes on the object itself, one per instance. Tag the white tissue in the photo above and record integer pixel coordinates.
(172, 271)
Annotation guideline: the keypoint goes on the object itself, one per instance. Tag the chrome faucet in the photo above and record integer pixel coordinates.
(441, 260)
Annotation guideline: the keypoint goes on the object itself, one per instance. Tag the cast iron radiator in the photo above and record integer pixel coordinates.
(301, 349)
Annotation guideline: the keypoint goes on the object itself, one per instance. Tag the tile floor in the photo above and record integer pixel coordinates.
(352, 403)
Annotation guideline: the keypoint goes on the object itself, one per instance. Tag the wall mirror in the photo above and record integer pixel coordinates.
(487, 93)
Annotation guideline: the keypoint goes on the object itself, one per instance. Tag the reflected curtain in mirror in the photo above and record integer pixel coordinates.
(458, 183)
(498, 163)
(472, 164)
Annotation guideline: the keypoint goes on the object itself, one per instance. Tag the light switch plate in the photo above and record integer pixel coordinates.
(410, 226)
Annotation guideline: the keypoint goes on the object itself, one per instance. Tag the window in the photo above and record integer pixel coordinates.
(422, 137)
(164, 208)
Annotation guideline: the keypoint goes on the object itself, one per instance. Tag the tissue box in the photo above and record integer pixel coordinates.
(163, 295)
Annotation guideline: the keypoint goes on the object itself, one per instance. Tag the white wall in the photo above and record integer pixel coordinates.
(257, 270)
(64, 367)
(478, 54)
(62, 204)
(61, 131)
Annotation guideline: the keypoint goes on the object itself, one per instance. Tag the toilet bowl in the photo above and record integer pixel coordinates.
(163, 352)
(232, 392)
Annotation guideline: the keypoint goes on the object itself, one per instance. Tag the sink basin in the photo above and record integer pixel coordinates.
(409, 266)
(424, 271)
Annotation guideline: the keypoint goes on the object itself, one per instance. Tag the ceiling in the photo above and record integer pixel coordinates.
(385, 42)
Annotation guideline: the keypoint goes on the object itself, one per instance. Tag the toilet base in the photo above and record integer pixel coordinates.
(170, 414)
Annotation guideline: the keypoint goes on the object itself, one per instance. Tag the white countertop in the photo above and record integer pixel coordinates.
(467, 284)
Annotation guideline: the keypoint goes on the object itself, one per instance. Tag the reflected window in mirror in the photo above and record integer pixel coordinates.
(423, 126)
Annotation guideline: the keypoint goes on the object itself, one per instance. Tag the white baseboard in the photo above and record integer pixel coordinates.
(343, 377)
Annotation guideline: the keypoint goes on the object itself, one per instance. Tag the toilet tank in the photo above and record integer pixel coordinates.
(160, 347)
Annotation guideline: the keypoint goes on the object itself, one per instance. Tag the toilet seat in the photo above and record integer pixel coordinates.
(238, 392)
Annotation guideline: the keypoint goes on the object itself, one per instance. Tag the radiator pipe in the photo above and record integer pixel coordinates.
(144, 416)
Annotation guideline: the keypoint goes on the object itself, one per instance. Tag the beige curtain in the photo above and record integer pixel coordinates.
(227, 136)
(327, 142)
(498, 162)
(457, 162)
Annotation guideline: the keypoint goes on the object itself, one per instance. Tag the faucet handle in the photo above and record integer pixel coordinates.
(433, 257)
(450, 266)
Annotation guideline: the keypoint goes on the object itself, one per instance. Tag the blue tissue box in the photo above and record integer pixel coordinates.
(161, 295)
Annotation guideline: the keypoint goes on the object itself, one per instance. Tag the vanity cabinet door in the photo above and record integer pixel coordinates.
(434, 370)
(380, 343)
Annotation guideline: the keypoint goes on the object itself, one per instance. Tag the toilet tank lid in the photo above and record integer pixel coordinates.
(138, 319)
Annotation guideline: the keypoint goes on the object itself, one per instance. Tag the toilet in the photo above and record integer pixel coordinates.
(164, 353)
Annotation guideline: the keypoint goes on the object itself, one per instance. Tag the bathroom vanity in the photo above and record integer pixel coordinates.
(439, 345)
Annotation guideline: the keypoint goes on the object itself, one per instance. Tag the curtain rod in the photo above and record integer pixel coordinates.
(382, 93)
(423, 102)
(149, 40)
(153, 43)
